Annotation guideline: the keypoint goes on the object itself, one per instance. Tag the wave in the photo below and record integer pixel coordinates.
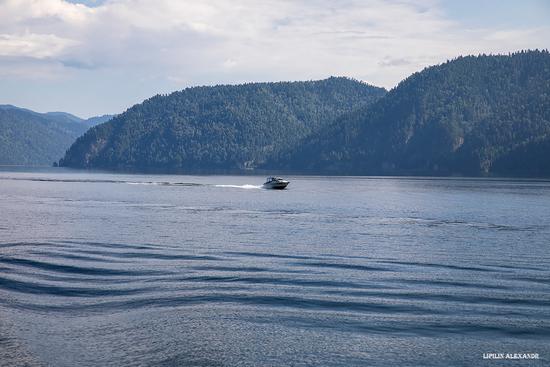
(76, 278)
(65, 291)
(48, 266)
(434, 326)
(274, 301)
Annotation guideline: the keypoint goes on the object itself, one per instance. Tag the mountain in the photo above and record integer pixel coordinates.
(473, 115)
(219, 127)
(62, 117)
(67, 117)
(32, 138)
(96, 120)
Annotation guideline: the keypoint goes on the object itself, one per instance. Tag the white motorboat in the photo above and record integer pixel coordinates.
(275, 183)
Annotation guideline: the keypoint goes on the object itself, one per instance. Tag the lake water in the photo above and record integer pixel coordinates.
(100, 269)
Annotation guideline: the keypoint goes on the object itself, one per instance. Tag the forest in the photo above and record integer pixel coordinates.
(473, 115)
(219, 127)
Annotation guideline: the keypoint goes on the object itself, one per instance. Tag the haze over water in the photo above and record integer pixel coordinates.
(112, 270)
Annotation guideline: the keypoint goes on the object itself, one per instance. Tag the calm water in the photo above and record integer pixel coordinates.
(140, 270)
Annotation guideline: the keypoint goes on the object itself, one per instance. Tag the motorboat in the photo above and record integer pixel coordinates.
(275, 183)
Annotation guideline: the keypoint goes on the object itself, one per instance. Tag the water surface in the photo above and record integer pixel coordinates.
(100, 269)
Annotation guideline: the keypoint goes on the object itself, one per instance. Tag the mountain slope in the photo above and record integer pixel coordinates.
(221, 127)
(96, 120)
(471, 115)
(31, 138)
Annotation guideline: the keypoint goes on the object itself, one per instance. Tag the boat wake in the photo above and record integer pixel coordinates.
(247, 187)
(79, 180)
(127, 182)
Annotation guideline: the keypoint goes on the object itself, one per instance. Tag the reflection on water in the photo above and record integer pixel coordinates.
(105, 269)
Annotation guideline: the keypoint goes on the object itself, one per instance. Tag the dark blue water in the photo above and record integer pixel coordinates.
(139, 270)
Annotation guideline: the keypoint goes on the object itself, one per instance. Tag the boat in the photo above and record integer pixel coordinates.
(275, 183)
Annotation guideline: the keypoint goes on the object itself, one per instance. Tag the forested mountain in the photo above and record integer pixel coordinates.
(468, 116)
(220, 127)
(31, 138)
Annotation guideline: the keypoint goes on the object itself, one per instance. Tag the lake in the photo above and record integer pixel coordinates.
(102, 269)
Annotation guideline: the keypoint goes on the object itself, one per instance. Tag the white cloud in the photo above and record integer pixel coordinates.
(17, 12)
(39, 46)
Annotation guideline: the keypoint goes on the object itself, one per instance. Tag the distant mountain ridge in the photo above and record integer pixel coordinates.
(33, 138)
(219, 127)
(96, 120)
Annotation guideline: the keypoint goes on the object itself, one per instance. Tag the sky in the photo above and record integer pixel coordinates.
(98, 57)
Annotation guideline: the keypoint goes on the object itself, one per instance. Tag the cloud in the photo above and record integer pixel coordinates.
(39, 46)
(25, 12)
(181, 43)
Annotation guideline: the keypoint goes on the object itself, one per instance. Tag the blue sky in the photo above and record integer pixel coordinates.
(95, 57)
(499, 13)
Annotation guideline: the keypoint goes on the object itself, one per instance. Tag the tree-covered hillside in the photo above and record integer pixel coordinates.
(221, 127)
(34, 139)
(471, 115)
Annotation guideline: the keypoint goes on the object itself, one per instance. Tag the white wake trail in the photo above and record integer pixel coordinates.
(248, 187)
